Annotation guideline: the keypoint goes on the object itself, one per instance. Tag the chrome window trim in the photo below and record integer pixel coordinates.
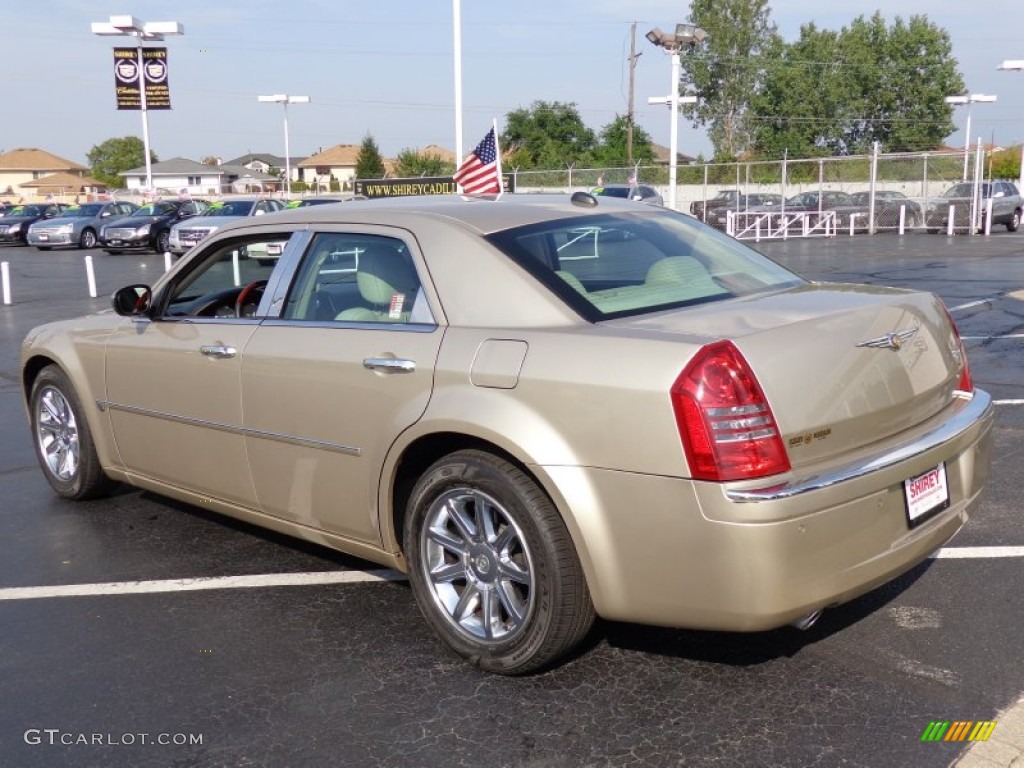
(977, 409)
(351, 325)
(306, 442)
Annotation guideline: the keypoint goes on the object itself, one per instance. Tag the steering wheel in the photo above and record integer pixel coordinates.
(248, 296)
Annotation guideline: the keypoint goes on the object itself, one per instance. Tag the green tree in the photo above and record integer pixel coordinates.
(798, 102)
(839, 92)
(116, 155)
(1005, 164)
(725, 71)
(611, 147)
(369, 163)
(548, 135)
(412, 162)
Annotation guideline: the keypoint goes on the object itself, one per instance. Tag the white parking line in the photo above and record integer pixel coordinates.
(213, 582)
(993, 338)
(977, 303)
(973, 552)
(1008, 402)
(323, 577)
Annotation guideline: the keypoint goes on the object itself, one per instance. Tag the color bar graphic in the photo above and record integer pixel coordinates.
(958, 730)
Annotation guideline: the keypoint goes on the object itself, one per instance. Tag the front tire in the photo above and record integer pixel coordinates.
(163, 242)
(87, 240)
(63, 442)
(492, 566)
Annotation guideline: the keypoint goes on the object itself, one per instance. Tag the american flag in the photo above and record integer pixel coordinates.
(480, 172)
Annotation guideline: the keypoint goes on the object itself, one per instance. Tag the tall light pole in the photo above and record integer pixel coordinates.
(148, 31)
(969, 99)
(686, 37)
(457, 56)
(1016, 65)
(285, 99)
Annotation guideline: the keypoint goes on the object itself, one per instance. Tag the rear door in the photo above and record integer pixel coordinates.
(329, 384)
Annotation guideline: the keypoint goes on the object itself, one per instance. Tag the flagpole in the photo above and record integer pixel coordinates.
(457, 32)
(497, 159)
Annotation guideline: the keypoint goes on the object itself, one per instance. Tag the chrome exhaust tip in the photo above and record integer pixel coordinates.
(807, 621)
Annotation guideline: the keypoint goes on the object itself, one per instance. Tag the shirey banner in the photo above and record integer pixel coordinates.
(126, 78)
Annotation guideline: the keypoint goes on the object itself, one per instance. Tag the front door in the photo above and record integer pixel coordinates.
(174, 379)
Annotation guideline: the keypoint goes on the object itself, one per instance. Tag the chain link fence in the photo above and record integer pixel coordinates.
(868, 193)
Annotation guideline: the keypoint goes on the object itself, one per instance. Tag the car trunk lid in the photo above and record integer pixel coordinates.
(842, 366)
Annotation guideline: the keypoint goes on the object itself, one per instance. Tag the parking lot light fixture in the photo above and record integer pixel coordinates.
(142, 31)
(284, 99)
(686, 38)
(969, 99)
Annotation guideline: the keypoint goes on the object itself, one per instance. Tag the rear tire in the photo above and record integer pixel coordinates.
(492, 566)
(63, 441)
(1014, 223)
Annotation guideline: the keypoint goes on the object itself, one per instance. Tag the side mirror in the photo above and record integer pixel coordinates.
(999, 194)
(132, 300)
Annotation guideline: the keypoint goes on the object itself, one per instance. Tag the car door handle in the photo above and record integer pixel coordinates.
(218, 351)
(389, 365)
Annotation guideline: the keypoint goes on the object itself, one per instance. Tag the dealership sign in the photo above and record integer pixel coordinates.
(126, 78)
(418, 185)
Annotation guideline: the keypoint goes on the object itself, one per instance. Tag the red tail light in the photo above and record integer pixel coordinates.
(966, 382)
(724, 420)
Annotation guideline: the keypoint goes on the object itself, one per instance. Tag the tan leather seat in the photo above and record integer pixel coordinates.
(388, 282)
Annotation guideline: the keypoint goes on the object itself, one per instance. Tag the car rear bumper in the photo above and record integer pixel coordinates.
(675, 552)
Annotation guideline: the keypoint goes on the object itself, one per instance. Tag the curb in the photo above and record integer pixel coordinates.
(1005, 749)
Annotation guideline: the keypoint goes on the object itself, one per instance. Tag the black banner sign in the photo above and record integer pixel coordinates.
(126, 78)
(419, 185)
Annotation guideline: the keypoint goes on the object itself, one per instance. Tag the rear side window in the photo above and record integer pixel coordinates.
(623, 264)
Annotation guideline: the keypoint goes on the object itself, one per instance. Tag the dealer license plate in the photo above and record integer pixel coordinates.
(926, 495)
(115, 242)
(43, 238)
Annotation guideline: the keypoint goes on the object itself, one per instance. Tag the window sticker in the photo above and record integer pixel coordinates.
(397, 302)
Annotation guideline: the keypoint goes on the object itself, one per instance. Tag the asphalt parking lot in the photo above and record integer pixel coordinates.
(280, 670)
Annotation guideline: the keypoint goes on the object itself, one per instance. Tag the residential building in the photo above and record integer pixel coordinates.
(181, 175)
(30, 164)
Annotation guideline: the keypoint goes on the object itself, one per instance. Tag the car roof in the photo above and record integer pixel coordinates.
(482, 215)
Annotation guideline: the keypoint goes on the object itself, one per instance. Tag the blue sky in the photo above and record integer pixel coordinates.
(385, 67)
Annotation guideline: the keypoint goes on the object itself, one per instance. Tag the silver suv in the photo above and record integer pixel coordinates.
(187, 233)
(1006, 206)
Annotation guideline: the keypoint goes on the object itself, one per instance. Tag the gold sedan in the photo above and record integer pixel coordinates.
(542, 408)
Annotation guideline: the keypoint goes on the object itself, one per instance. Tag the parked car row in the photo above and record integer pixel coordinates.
(120, 226)
(853, 211)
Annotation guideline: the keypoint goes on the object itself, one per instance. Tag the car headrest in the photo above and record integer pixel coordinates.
(383, 272)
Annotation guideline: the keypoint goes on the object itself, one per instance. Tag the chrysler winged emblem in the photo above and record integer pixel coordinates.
(893, 341)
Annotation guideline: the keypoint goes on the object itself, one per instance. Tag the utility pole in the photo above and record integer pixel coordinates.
(633, 56)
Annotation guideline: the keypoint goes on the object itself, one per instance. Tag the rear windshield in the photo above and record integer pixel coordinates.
(622, 264)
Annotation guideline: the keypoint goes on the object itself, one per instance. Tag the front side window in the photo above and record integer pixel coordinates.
(227, 280)
(358, 278)
(621, 264)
